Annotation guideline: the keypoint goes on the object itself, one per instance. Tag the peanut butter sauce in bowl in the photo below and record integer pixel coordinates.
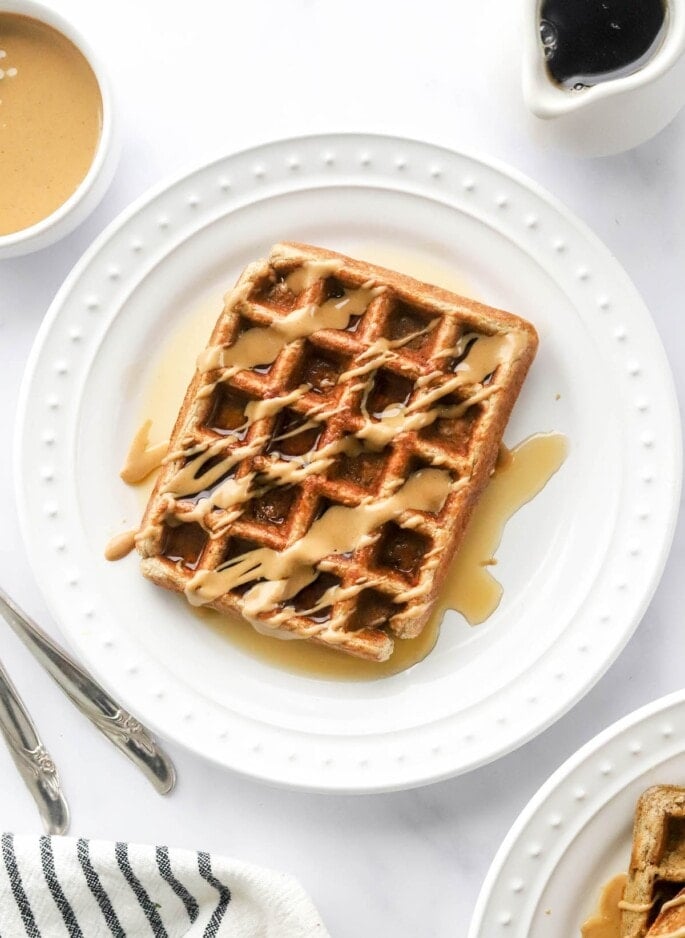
(57, 148)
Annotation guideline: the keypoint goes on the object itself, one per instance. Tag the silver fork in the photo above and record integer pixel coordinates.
(122, 729)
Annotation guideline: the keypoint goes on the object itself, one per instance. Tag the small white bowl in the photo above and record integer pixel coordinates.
(81, 203)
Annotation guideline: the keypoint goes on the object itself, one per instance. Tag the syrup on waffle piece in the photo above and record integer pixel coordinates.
(654, 897)
(340, 427)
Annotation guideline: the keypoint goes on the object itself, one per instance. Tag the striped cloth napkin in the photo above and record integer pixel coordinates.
(59, 887)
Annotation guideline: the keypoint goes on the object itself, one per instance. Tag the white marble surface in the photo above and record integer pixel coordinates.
(193, 81)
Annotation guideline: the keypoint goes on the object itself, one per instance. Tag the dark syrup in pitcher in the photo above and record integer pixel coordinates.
(589, 41)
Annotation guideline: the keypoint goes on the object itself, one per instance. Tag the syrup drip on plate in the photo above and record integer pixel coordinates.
(521, 473)
(605, 922)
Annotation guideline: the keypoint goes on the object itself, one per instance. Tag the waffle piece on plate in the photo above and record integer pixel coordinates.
(654, 897)
(341, 425)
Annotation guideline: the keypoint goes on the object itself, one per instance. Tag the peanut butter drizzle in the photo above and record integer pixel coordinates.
(671, 904)
(339, 530)
(521, 473)
(635, 906)
(606, 921)
(382, 351)
(189, 479)
(257, 410)
(485, 354)
(379, 433)
(261, 345)
(308, 273)
(233, 492)
(120, 545)
(142, 459)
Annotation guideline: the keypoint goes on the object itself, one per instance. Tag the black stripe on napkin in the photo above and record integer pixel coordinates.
(97, 889)
(205, 867)
(165, 871)
(17, 887)
(146, 904)
(47, 859)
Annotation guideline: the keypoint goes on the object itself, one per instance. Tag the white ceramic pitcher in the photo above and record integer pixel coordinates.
(612, 115)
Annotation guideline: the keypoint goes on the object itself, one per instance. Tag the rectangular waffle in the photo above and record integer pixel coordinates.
(341, 425)
(654, 901)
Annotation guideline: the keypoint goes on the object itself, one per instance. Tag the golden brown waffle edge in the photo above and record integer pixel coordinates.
(386, 397)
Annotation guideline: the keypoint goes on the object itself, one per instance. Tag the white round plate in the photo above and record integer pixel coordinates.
(578, 564)
(575, 833)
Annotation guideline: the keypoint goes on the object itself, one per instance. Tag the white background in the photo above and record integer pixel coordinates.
(193, 81)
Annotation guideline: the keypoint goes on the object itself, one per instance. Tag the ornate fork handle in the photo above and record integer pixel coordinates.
(122, 729)
(31, 758)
